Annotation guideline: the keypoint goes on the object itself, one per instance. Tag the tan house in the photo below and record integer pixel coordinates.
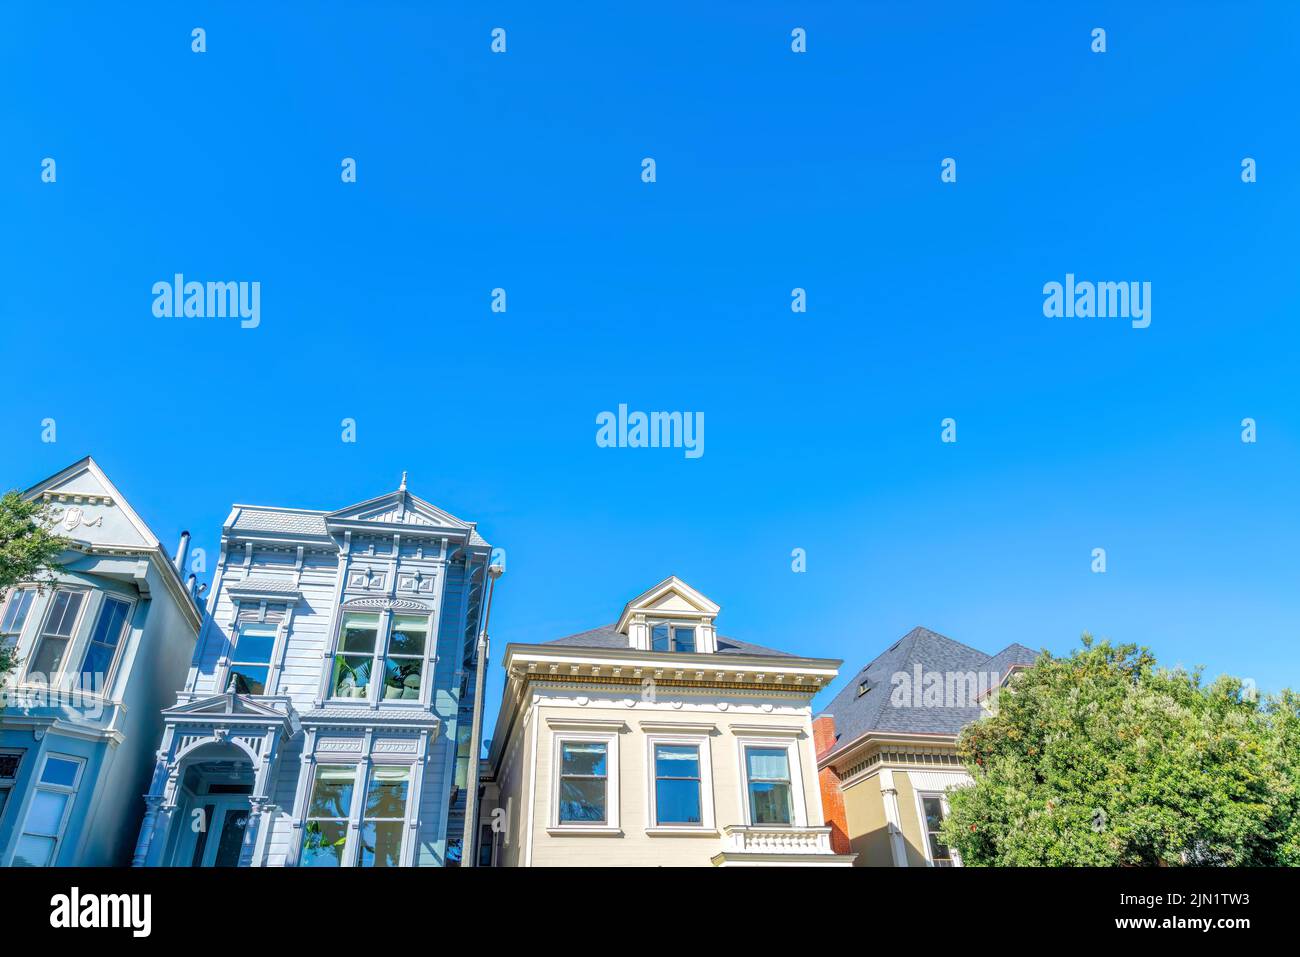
(887, 746)
(655, 741)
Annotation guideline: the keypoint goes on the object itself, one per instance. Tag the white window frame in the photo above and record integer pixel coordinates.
(798, 797)
(10, 598)
(111, 675)
(232, 659)
(87, 595)
(919, 797)
(612, 788)
(7, 784)
(350, 826)
(356, 819)
(376, 655)
(386, 638)
(375, 689)
(654, 623)
(412, 796)
(708, 821)
(21, 830)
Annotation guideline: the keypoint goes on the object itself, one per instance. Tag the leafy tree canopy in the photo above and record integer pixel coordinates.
(28, 551)
(1102, 758)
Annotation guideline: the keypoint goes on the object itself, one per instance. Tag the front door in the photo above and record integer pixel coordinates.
(216, 832)
(224, 851)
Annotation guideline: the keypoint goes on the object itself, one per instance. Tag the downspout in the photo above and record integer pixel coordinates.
(467, 856)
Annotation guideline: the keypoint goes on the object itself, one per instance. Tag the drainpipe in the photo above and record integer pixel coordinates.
(467, 855)
(182, 550)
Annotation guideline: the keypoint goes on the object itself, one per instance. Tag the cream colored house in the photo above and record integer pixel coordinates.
(655, 741)
(887, 746)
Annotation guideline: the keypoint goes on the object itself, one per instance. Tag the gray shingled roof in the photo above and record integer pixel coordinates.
(270, 520)
(301, 523)
(856, 714)
(607, 636)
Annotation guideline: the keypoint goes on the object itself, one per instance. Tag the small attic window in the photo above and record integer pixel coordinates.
(671, 637)
(863, 689)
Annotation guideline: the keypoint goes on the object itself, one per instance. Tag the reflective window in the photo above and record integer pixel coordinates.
(65, 608)
(940, 854)
(405, 660)
(250, 659)
(769, 785)
(15, 612)
(47, 815)
(355, 657)
(101, 652)
(677, 784)
(583, 779)
(327, 816)
(383, 821)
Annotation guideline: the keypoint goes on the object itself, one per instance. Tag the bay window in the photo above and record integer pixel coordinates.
(354, 660)
(105, 641)
(383, 821)
(60, 625)
(326, 831)
(14, 617)
(395, 646)
(9, 764)
(405, 662)
(47, 815)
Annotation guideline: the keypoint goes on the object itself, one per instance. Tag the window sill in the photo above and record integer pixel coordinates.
(686, 831)
(581, 830)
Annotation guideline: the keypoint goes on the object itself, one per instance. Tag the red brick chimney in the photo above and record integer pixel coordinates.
(829, 782)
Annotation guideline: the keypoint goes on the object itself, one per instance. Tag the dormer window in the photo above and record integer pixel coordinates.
(670, 637)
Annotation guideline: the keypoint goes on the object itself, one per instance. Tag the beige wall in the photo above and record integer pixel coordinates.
(527, 778)
(864, 810)
(864, 807)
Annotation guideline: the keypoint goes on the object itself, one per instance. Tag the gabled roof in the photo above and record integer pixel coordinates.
(399, 508)
(672, 587)
(86, 479)
(608, 636)
(858, 712)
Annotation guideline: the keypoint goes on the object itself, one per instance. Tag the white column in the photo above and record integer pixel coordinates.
(897, 846)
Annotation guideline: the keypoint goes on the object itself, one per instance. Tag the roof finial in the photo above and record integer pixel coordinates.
(402, 487)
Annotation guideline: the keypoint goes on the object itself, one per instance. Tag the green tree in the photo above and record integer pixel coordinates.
(29, 551)
(1102, 758)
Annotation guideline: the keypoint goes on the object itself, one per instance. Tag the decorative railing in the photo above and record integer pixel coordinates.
(739, 838)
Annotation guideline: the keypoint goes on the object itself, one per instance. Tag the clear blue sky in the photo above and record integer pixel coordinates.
(775, 170)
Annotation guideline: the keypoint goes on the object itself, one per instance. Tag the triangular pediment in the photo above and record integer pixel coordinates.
(672, 596)
(224, 705)
(399, 508)
(86, 506)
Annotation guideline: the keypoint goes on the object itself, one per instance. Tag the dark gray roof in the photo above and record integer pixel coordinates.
(855, 714)
(607, 636)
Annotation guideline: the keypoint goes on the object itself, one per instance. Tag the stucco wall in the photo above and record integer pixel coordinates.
(633, 845)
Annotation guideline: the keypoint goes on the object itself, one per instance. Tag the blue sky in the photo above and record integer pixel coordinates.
(775, 170)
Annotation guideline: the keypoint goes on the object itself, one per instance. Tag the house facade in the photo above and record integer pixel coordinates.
(887, 746)
(102, 648)
(325, 718)
(655, 741)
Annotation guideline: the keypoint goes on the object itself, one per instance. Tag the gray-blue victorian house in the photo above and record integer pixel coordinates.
(326, 717)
